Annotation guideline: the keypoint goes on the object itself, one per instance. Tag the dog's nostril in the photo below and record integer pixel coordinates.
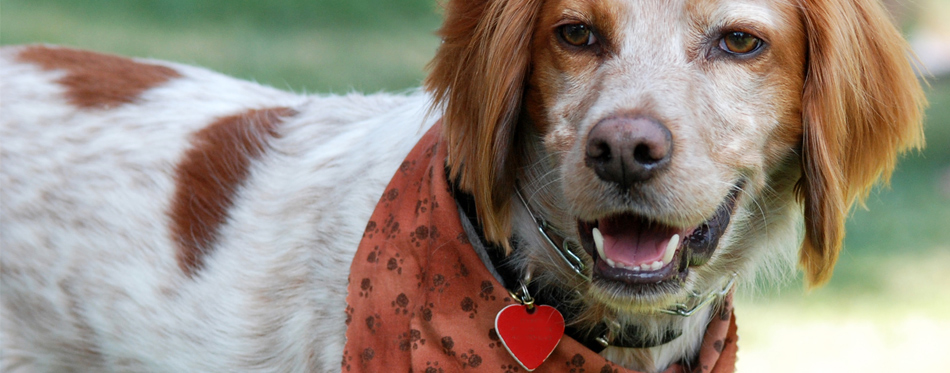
(598, 150)
(643, 154)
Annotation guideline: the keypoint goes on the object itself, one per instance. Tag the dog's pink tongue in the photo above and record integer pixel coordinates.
(633, 242)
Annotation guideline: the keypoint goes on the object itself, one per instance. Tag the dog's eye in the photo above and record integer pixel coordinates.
(577, 34)
(739, 42)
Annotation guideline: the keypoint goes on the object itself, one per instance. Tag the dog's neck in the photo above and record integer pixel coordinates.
(646, 342)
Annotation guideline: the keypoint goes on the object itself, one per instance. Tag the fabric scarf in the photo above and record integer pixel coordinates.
(421, 300)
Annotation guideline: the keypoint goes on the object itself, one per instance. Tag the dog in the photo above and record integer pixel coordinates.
(626, 161)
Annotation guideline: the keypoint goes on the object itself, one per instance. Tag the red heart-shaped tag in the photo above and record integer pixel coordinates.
(529, 335)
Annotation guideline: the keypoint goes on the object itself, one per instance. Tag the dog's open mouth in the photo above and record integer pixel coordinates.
(635, 250)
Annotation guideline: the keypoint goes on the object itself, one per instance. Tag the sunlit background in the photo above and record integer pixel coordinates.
(886, 310)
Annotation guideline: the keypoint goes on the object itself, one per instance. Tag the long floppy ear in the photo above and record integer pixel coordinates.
(477, 76)
(862, 106)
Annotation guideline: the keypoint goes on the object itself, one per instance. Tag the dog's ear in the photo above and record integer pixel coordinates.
(861, 107)
(477, 77)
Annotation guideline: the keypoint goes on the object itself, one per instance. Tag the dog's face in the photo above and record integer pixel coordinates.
(674, 141)
(662, 119)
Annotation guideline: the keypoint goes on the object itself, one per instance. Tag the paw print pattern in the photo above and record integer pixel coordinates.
(373, 256)
(349, 314)
(371, 229)
(373, 322)
(461, 271)
(495, 341)
(576, 364)
(445, 321)
(438, 283)
(487, 289)
(411, 340)
(395, 264)
(469, 306)
(470, 359)
(447, 345)
(366, 287)
(401, 304)
(433, 367)
(426, 312)
(347, 359)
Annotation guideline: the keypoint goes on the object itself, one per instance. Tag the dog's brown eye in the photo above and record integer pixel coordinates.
(739, 43)
(577, 34)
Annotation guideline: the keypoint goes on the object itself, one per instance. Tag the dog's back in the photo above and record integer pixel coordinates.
(164, 217)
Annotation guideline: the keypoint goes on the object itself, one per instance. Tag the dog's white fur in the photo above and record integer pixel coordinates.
(89, 274)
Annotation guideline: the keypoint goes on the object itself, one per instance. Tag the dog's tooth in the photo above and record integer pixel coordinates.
(671, 248)
(599, 243)
(656, 265)
(644, 267)
(611, 263)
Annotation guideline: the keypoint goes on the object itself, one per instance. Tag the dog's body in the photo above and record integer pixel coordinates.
(159, 217)
(292, 227)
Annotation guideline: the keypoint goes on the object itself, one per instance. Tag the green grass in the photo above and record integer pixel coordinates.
(295, 45)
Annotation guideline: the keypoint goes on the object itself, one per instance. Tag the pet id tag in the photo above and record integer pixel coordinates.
(529, 332)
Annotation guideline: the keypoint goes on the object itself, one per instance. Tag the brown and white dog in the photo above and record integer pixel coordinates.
(161, 217)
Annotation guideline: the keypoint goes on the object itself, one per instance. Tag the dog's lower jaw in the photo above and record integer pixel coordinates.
(549, 271)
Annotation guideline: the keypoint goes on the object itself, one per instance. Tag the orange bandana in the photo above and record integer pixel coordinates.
(421, 300)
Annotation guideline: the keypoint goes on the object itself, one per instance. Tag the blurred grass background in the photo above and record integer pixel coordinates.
(886, 310)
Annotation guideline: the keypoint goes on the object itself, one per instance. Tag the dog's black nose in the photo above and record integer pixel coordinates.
(627, 150)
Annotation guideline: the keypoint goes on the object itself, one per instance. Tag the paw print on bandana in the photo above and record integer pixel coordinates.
(407, 166)
(511, 368)
(608, 369)
(349, 314)
(395, 264)
(419, 235)
(420, 279)
(390, 227)
(461, 271)
(471, 359)
(462, 238)
(438, 283)
(392, 194)
(487, 289)
(469, 305)
(413, 339)
(367, 355)
(576, 365)
(371, 228)
(495, 341)
(373, 256)
(433, 367)
(401, 304)
(345, 364)
(426, 311)
(373, 322)
(366, 287)
(422, 206)
(447, 345)
(430, 151)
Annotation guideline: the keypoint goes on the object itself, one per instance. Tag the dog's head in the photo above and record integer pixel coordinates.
(675, 141)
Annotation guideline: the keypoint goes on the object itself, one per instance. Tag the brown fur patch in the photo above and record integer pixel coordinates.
(209, 176)
(95, 80)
